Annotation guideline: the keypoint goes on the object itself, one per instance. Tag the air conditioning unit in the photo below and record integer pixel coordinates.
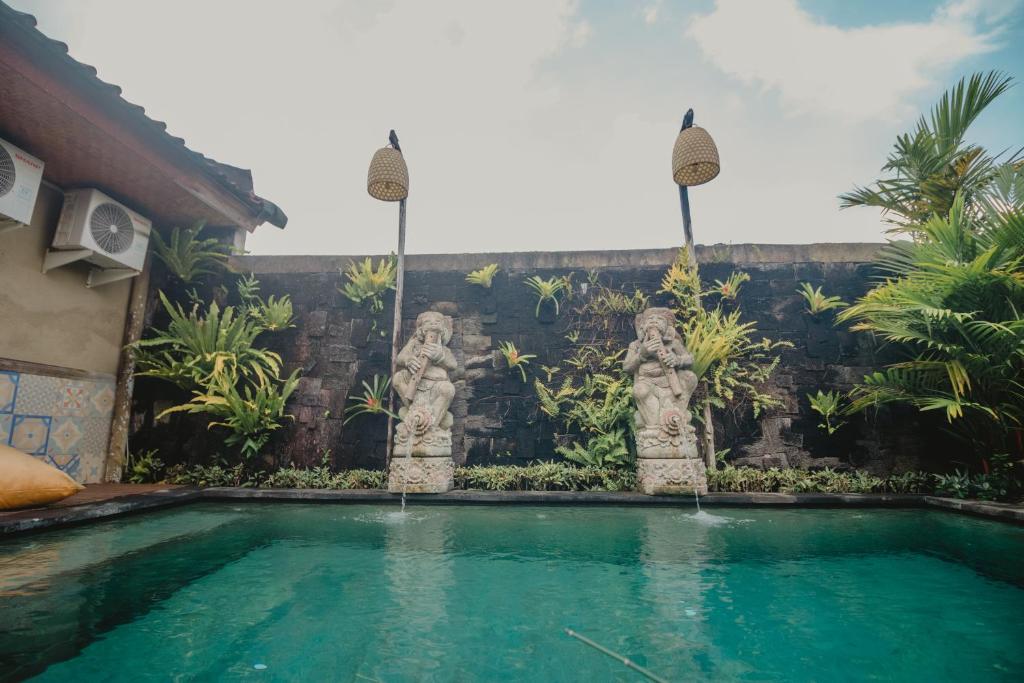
(20, 177)
(95, 228)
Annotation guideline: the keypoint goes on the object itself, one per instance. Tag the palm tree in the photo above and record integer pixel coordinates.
(928, 168)
(951, 300)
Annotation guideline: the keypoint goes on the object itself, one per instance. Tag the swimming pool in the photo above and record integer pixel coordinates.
(363, 593)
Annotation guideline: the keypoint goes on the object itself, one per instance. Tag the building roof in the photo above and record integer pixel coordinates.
(58, 109)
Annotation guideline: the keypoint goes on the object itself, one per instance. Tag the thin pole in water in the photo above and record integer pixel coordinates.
(615, 655)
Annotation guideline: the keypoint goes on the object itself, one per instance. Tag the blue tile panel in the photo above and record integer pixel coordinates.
(64, 422)
(8, 391)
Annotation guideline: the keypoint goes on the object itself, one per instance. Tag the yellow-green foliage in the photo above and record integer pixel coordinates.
(484, 276)
(368, 283)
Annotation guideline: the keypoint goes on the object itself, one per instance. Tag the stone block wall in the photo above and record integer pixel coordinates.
(339, 344)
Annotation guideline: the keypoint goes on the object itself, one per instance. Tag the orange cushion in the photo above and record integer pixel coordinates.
(29, 482)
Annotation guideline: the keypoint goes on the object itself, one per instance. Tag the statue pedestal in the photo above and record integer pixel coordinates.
(668, 463)
(659, 476)
(421, 474)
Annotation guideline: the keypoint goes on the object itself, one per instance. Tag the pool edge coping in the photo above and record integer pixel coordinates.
(39, 520)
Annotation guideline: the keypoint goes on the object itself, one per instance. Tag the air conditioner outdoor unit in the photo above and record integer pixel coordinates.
(95, 228)
(20, 177)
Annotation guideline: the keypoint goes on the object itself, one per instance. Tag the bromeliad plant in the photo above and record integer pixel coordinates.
(367, 283)
(373, 400)
(484, 276)
(187, 257)
(815, 302)
(730, 289)
(546, 290)
(515, 359)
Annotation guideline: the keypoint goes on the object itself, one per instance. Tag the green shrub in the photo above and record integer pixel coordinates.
(287, 477)
(543, 476)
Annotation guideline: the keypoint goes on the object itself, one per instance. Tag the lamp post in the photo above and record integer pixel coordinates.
(695, 162)
(388, 181)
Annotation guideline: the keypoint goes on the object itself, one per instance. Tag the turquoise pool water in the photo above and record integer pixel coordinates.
(362, 593)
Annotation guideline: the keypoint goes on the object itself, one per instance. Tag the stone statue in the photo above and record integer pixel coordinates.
(666, 446)
(421, 460)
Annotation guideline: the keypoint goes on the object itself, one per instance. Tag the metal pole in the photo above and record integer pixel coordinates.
(684, 206)
(396, 328)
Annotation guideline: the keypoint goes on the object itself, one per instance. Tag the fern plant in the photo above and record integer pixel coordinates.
(551, 401)
(186, 256)
(373, 400)
(484, 276)
(601, 450)
(515, 359)
(367, 283)
(815, 302)
(546, 290)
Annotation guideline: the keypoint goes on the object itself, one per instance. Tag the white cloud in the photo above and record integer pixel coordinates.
(855, 74)
(651, 11)
(525, 126)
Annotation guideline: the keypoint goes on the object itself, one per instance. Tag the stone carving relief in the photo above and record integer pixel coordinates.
(426, 392)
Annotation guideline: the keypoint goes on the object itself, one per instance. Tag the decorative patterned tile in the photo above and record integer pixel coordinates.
(90, 468)
(102, 400)
(30, 433)
(8, 390)
(5, 428)
(37, 395)
(95, 435)
(72, 397)
(65, 436)
(70, 464)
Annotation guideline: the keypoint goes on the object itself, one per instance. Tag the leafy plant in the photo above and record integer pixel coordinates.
(369, 283)
(484, 276)
(733, 365)
(251, 414)
(954, 301)
(730, 289)
(197, 348)
(815, 302)
(828, 405)
(602, 450)
(372, 401)
(551, 401)
(929, 167)
(604, 301)
(214, 356)
(186, 256)
(546, 290)
(550, 371)
(273, 314)
(515, 359)
(544, 476)
(143, 467)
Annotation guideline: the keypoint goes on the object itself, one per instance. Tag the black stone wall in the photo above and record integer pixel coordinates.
(339, 344)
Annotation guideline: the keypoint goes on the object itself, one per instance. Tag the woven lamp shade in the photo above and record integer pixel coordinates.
(388, 179)
(694, 157)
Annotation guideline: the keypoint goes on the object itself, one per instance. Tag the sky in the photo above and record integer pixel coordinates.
(543, 125)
